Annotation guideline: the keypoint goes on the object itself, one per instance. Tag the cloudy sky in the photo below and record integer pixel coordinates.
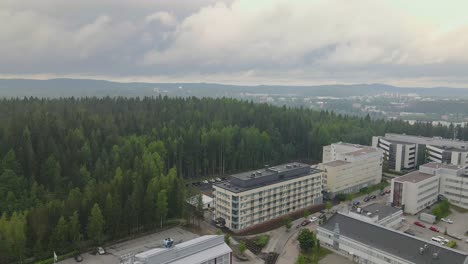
(400, 42)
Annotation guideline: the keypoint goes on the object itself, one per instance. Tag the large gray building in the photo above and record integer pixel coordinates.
(370, 243)
(402, 150)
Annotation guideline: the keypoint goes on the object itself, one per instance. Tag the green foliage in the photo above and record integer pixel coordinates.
(452, 244)
(227, 239)
(242, 247)
(262, 240)
(62, 156)
(306, 213)
(328, 206)
(306, 239)
(340, 197)
(441, 210)
(287, 221)
(96, 225)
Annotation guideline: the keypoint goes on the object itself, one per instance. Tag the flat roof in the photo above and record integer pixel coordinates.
(415, 176)
(267, 176)
(336, 163)
(436, 165)
(393, 242)
(381, 210)
(362, 151)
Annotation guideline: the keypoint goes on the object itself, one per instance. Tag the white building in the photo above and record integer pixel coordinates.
(399, 155)
(415, 190)
(348, 168)
(202, 250)
(370, 243)
(438, 150)
(253, 197)
(380, 214)
(207, 201)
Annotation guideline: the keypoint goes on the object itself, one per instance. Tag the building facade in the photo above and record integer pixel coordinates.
(415, 190)
(347, 168)
(437, 150)
(370, 243)
(203, 250)
(453, 182)
(398, 155)
(253, 197)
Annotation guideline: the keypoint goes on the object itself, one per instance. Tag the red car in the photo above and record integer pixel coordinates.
(433, 228)
(420, 224)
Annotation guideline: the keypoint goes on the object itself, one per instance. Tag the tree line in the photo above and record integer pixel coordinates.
(90, 170)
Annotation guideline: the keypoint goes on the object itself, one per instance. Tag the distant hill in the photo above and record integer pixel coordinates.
(85, 87)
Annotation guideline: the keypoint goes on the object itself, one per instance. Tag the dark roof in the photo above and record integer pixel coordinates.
(393, 242)
(254, 179)
(380, 210)
(415, 176)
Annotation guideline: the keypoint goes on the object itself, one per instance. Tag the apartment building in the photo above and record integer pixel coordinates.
(202, 250)
(253, 197)
(398, 154)
(438, 149)
(366, 242)
(347, 168)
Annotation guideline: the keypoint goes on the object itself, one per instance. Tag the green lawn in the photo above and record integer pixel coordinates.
(309, 258)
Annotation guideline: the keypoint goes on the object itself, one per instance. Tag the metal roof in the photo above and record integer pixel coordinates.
(415, 176)
(393, 242)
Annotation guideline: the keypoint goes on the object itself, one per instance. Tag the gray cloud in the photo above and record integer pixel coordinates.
(243, 41)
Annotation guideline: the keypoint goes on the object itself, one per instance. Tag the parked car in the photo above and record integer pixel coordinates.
(447, 220)
(321, 216)
(419, 224)
(443, 239)
(101, 251)
(218, 179)
(78, 258)
(212, 180)
(367, 199)
(205, 182)
(305, 222)
(373, 196)
(388, 191)
(410, 232)
(313, 219)
(433, 228)
(356, 203)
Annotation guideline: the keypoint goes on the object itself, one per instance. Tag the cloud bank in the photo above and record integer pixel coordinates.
(239, 41)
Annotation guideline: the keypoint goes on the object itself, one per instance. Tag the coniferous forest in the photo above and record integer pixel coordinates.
(90, 170)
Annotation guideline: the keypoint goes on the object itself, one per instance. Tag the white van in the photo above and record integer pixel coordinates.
(436, 239)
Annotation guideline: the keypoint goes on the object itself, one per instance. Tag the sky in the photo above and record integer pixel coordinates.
(419, 43)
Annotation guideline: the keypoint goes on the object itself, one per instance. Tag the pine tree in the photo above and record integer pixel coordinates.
(96, 225)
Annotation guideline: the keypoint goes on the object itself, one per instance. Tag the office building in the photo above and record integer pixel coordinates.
(400, 156)
(415, 190)
(365, 242)
(253, 197)
(380, 214)
(347, 168)
(438, 150)
(203, 250)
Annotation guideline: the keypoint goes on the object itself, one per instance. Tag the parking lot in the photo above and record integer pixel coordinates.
(134, 246)
(459, 227)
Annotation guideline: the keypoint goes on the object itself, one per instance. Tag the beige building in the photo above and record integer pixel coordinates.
(253, 197)
(453, 182)
(348, 167)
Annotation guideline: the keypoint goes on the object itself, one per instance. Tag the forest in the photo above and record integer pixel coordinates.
(84, 171)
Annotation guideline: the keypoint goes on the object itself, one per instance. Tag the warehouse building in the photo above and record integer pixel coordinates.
(253, 197)
(347, 168)
(370, 243)
(203, 250)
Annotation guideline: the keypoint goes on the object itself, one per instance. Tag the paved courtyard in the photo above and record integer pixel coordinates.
(135, 246)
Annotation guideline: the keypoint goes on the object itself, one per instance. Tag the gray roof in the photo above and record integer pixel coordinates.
(415, 176)
(336, 163)
(436, 165)
(394, 242)
(258, 178)
(380, 210)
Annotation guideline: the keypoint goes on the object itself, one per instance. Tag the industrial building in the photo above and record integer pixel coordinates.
(253, 197)
(366, 242)
(380, 214)
(203, 250)
(347, 168)
(402, 150)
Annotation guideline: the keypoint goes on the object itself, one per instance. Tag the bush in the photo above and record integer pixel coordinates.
(262, 240)
(441, 210)
(242, 247)
(452, 244)
(227, 239)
